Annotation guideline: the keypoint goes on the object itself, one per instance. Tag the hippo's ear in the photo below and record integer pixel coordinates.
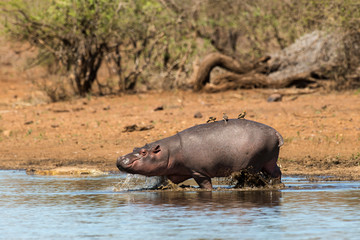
(156, 149)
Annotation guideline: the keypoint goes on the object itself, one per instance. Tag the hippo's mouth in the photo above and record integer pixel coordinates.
(124, 164)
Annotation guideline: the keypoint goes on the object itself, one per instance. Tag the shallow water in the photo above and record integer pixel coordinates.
(49, 207)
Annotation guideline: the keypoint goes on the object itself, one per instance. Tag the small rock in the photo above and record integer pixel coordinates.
(7, 133)
(55, 125)
(60, 110)
(29, 122)
(78, 109)
(106, 108)
(276, 97)
(130, 128)
(198, 115)
(159, 108)
(144, 128)
(66, 171)
(134, 127)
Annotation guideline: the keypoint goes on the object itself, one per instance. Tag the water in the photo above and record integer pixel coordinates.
(49, 207)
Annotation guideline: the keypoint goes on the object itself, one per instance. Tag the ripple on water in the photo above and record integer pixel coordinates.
(49, 207)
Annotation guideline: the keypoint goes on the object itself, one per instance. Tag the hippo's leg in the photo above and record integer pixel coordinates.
(202, 180)
(273, 169)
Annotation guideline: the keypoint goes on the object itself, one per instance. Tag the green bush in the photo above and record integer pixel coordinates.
(78, 34)
(146, 37)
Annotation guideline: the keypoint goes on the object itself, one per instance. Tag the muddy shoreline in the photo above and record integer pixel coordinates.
(321, 130)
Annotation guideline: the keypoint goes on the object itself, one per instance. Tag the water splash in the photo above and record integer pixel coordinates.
(133, 182)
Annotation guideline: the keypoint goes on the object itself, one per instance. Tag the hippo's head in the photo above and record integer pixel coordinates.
(150, 160)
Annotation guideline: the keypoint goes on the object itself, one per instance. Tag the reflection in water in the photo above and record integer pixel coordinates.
(215, 200)
(47, 207)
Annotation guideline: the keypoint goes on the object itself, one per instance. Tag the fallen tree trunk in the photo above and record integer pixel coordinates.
(251, 80)
(251, 75)
(220, 60)
(306, 63)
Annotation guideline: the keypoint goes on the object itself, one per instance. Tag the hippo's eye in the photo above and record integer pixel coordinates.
(143, 152)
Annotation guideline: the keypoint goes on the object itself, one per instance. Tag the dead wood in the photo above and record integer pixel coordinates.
(307, 63)
(213, 60)
(254, 79)
(246, 76)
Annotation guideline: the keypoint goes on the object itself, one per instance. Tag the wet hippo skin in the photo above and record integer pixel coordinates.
(202, 152)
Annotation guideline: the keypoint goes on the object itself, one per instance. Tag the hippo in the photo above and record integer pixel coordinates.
(215, 149)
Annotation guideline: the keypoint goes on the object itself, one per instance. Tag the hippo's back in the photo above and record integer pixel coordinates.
(235, 144)
(234, 130)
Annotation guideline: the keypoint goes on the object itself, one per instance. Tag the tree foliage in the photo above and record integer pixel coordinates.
(251, 28)
(79, 34)
(140, 38)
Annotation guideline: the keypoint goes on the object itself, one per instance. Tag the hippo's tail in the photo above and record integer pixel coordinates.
(280, 138)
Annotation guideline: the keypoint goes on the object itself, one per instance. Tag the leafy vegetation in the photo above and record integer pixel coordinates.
(78, 35)
(137, 40)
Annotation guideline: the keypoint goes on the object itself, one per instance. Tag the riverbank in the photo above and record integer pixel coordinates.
(321, 130)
